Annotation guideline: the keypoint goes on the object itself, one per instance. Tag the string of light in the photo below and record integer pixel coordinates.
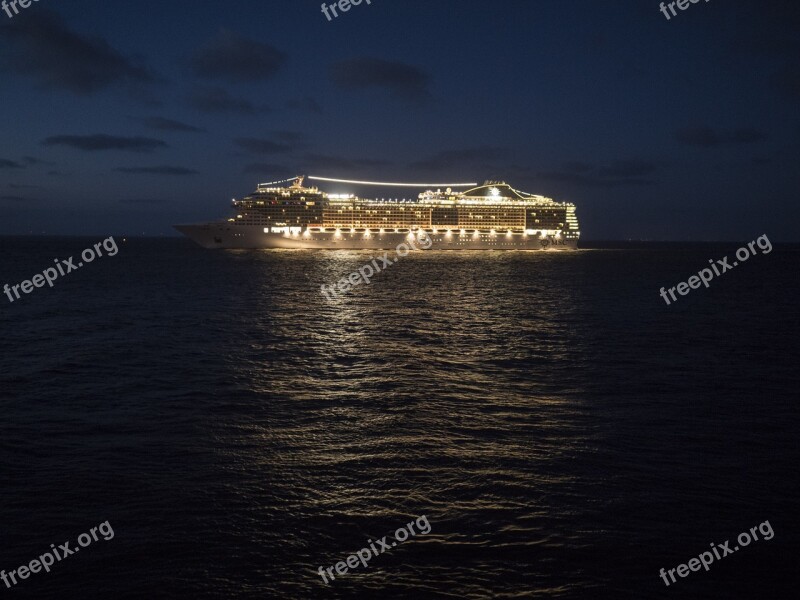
(451, 185)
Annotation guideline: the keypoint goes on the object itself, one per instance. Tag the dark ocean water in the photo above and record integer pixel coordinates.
(565, 432)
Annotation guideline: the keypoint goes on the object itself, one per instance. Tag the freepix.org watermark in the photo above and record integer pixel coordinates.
(706, 558)
(682, 4)
(50, 274)
(704, 276)
(365, 554)
(365, 273)
(342, 5)
(48, 559)
(7, 5)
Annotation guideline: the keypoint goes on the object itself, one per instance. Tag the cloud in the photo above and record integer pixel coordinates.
(578, 167)
(143, 201)
(237, 59)
(162, 170)
(616, 174)
(322, 161)
(626, 169)
(162, 124)
(706, 137)
(41, 46)
(399, 79)
(11, 198)
(92, 143)
(290, 137)
(307, 104)
(260, 146)
(449, 159)
(218, 100)
(32, 160)
(22, 186)
(266, 169)
(9, 164)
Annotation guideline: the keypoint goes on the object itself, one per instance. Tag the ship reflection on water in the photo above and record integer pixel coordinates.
(446, 387)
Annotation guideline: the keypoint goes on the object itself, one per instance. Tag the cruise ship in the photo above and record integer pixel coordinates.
(491, 216)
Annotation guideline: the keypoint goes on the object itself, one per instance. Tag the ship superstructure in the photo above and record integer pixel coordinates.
(493, 215)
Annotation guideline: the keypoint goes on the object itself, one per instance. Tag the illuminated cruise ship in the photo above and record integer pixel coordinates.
(491, 216)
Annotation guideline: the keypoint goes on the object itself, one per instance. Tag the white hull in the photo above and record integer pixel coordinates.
(232, 236)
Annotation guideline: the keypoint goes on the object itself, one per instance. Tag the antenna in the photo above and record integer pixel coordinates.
(295, 178)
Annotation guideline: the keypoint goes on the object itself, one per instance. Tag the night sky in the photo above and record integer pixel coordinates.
(127, 117)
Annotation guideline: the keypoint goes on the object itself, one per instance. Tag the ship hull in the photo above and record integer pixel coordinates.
(231, 236)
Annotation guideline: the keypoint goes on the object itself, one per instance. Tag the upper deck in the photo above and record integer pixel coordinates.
(491, 206)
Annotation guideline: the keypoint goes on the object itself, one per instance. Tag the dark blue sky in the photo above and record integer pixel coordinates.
(126, 117)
